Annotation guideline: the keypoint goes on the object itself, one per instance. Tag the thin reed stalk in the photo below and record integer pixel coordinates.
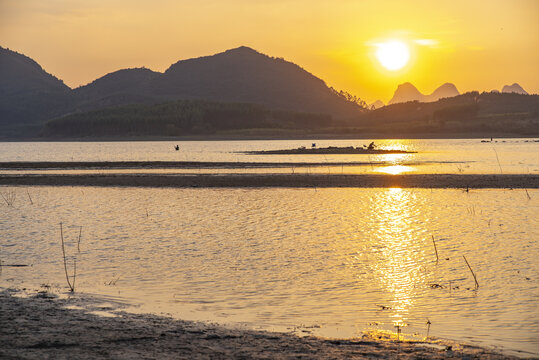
(498, 159)
(78, 242)
(435, 249)
(65, 262)
(474, 277)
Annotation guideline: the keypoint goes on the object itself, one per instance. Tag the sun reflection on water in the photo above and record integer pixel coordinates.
(399, 254)
(395, 169)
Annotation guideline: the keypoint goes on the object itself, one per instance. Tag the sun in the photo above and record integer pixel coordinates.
(393, 54)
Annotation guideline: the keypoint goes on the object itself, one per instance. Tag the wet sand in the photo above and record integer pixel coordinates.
(459, 181)
(41, 327)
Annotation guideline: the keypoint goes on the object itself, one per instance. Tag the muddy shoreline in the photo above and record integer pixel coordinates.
(40, 326)
(454, 181)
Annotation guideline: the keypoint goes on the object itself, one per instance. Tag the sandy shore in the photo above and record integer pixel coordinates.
(278, 180)
(41, 327)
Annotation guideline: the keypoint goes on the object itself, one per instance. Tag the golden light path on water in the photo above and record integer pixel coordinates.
(399, 271)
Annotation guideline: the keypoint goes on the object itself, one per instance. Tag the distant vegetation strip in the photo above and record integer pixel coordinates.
(464, 182)
(179, 118)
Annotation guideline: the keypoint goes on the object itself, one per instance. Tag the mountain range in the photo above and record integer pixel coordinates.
(408, 92)
(239, 91)
(515, 88)
(31, 96)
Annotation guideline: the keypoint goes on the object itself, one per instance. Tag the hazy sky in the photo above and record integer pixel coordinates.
(477, 45)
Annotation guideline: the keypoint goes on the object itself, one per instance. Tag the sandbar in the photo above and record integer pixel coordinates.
(455, 181)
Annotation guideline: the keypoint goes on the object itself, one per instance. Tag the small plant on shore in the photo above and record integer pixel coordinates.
(9, 197)
(69, 283)
(428, 323)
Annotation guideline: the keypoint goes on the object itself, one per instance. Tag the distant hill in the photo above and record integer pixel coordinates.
(245, 75)
(376, 105)
(515, 88)
(408, 92)
(237, 75)
(28, 94)
(470, 113)
(20, 74)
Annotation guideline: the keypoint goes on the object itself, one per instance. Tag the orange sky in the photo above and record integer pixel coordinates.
(477, 45)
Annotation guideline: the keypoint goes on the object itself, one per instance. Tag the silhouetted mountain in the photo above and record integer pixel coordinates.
(515, 88)
(376, 105)
(28, 94)
(125, 86)
(125, 80)
(408, 92)
(237, 75)
(245, 75)
(447, 90)
(20, 74)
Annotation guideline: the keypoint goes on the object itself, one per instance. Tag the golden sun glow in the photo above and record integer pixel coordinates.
(393, 54)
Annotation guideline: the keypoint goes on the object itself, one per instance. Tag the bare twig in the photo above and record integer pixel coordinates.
(497, 159)
(29, 197)
(74, 272)
(78, 242)
(435, 249)
(65, 262)
(474, 277)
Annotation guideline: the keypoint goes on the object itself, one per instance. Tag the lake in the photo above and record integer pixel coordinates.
(461, 156)
(329, 262)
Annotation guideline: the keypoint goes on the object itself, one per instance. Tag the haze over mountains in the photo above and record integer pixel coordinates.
(408, 92)
(515, 88)
(240, 91)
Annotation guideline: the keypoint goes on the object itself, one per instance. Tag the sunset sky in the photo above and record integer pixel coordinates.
(477, 45)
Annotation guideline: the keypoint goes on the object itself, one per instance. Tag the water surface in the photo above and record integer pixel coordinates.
(333, 262)
(447, 156)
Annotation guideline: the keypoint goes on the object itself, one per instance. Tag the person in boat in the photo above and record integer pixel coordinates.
(371, 146)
